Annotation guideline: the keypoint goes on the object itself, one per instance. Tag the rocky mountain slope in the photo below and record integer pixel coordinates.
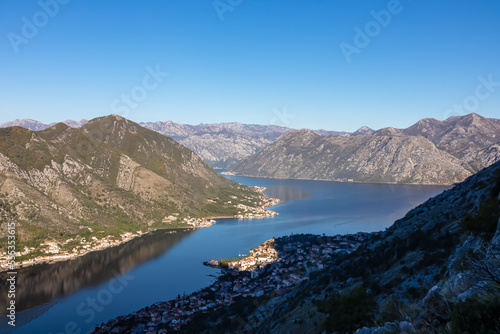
(461, 136)
(222, 144)
(429, 152)
(363, 131)
(472, 138)
(437, 270)
(109, 176)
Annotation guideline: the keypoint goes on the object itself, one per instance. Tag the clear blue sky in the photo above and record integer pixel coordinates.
(265, 60)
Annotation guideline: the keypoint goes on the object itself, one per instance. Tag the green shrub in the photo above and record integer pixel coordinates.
(476, 316)
(346, 313)
(392, 310)
(484, 222)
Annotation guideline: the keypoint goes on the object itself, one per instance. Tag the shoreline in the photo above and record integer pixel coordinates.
(106, 242)
(339, 181)
(219, 217)
(52, 259)
(274, 268)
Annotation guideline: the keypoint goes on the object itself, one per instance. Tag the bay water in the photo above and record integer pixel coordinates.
(75, 296)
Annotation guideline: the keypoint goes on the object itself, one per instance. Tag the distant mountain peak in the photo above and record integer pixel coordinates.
(473, 115)
(76, 124)
(26, 123)
(474, 118)
(58, 126)
(388, 131)
(363, 130)
(303, 133)
(110, 119)
(116, 116)
(427, 121)
(465, 119)
(34, 125)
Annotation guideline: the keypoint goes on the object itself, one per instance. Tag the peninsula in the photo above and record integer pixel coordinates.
(276, 266)
(90, 241)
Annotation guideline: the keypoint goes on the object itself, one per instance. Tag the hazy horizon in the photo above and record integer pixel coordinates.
(200, 124)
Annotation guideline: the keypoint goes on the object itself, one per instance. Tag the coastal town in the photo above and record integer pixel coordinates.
(52, 251)
(276, 266)
(258, 209)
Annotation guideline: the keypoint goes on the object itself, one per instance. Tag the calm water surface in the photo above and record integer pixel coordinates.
(75, 296)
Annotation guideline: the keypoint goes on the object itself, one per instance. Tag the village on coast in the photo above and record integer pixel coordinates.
(276, 266)
(52, 251)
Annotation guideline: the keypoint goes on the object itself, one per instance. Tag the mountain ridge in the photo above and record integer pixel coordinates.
(219, 144)
(428, 152)
(110, 175)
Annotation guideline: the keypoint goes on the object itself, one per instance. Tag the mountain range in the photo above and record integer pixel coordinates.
(110, 175)
(38, 126)
(219, 144)
(428, 152)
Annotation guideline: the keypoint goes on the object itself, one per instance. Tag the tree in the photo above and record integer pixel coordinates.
(346, 313)
(476, 316)
(485, 264)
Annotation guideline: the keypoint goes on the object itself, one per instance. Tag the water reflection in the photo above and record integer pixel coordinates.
(286, 193)
(43, 283)
(24, 317)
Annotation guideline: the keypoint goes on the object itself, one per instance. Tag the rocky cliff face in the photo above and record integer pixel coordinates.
(110, 173)
(364, 158)
(461, 136)
(222, 149)
(429, 152)
(222, 144)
